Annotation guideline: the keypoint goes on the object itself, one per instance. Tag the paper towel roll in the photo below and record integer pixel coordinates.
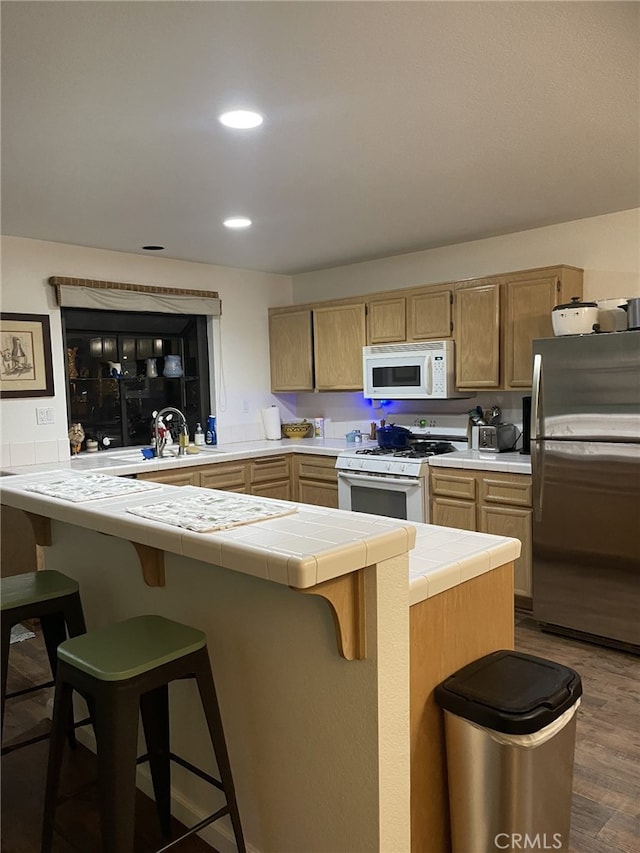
(271, 421)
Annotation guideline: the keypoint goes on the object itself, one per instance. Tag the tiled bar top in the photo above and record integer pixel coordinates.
(303, 549)
(444, 557)
(312, 545)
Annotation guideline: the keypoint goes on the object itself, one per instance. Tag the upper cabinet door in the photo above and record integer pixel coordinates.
(429, 315)
(528, 307)
(528, 303)
(477, 324)
(387, 320)
(339, 333)
(291, 351)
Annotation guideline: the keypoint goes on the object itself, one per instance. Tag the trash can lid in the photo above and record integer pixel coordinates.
(510, 692)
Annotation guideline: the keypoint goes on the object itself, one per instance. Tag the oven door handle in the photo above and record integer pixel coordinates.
(365, 478)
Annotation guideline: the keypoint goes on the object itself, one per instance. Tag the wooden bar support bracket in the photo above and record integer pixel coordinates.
(151, 563)
(41, 528)
(346, 599)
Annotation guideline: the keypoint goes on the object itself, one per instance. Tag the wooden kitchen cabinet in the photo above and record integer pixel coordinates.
(429, 315)
(387, 320)
(172, 477)
(307, 478)
(228, 476)
(498, 318)
(419, 315)
(291, 351)
(477, 335)
(318, 347)
(529, 300)
(488, 502)
(339, 333)
(315, 480)
(270, 477)
(493, 321)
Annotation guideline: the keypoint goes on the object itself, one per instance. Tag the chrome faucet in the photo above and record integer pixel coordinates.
(161, 440)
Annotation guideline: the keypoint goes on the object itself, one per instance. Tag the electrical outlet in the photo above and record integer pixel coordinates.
(245, 407)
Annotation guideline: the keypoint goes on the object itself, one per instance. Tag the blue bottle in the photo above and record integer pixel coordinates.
(210, 436)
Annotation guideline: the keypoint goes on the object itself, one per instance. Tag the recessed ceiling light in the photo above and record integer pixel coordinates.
(237, 222)
(153, 248)
(241, 119)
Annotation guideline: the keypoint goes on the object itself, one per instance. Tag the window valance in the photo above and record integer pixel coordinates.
(117, 296)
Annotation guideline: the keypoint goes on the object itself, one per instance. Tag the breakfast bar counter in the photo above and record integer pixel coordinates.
(325, 645)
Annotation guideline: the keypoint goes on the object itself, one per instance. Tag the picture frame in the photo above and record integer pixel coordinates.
(26, 368)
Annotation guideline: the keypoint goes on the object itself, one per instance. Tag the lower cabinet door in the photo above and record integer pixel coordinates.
(317, 493)
(516, 523)
(281, 490)
(449, 512)
(172, 478)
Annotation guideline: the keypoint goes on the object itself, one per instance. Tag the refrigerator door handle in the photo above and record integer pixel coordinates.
(536, 431)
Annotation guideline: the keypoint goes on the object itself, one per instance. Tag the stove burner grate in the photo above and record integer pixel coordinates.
(415, 450)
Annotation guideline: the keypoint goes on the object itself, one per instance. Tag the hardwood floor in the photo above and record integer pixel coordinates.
(605, 814)
(606, 799)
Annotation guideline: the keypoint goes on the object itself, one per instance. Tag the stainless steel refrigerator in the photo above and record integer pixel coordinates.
(585, 462)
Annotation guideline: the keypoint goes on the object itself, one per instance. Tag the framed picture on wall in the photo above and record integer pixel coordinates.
(26, 369)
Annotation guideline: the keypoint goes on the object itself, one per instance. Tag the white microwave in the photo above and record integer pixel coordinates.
(418, 371)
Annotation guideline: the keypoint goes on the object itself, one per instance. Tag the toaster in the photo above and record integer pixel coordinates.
(498, 439)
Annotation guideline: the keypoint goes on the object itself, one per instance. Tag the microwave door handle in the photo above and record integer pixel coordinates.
(429, 375)
(537, 460)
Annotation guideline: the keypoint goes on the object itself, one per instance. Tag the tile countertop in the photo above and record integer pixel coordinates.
(513, 463)
(112, 461)
(312, 545)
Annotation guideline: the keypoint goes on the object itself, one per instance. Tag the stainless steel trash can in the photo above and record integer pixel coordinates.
(510, 726)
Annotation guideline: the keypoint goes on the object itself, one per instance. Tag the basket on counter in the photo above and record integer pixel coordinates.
(300, 429)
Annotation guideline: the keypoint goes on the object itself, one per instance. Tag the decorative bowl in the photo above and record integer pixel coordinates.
(296, 430)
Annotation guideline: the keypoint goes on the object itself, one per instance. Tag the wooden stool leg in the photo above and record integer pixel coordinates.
(62, 707)
(154, 709)
(204, 678)
(5, 639)
(116, 724)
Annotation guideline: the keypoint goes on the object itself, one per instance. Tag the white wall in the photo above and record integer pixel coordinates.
(607, 248)
(246, 295)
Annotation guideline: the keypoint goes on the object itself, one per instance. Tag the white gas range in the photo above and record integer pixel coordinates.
(395, 483)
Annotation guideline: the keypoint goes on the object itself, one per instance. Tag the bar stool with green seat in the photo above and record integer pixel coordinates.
(122, 669)
(54, 599)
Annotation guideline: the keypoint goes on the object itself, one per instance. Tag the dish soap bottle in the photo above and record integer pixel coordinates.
(210, 435)
(198, 436)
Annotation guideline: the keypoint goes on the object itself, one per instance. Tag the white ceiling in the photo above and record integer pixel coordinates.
(390, 126)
